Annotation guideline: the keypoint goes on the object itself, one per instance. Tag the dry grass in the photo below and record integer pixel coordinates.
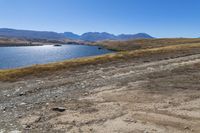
(40, 70)
(145, 43)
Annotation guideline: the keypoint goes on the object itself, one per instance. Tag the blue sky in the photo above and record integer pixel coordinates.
(159, 18)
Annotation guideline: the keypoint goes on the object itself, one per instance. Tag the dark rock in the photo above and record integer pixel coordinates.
(59, 109)
(22, 94)
(4, 108)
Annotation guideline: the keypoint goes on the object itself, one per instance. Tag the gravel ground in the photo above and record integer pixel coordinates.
(155, 94)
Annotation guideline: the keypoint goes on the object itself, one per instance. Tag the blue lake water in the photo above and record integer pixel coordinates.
(14, 57)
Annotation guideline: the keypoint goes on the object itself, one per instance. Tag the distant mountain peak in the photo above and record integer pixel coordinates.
(71, 35)
(134, 36)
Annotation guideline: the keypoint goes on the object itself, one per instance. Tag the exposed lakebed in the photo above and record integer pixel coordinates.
(14, 57)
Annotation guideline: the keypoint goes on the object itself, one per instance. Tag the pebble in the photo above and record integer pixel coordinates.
(59, 109)
(19, 116)
(26, 126)
(85, 94)
(21, 94)
(22, 103)
(3, 108)
(186, 128)
(38, 88)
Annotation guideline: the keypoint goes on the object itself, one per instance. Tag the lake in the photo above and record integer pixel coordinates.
(14, 57)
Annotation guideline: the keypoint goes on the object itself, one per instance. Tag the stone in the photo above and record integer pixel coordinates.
(21, 94)
(22, 104)
(59, 109)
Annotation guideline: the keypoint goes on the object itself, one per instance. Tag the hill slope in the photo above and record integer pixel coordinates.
(145, 43)
(147, 90)
(89, 36)
(30, 34)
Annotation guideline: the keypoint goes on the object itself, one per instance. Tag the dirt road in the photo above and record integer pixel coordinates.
(140, 95)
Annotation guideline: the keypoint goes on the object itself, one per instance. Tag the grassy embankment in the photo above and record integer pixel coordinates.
(145, 43)
(145, 50)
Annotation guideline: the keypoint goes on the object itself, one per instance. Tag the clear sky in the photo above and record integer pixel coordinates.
(159, 18)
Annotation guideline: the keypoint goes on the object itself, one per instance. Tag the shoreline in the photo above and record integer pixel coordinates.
(13, 74)
(20, 45)
(151, 91)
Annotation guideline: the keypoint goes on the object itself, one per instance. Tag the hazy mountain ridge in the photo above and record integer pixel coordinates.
(71, 35)
(133, 36)
(30, 34)
(100, 36)
(89, 36)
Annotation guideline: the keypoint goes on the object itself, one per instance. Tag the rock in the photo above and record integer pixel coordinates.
(22, 94)
(170, 102)
(86, 94)
(19, 116)
(59, 109)
(26, 126)
(22, 104)
(186, 128)
(129, 120)
(38, 88)
(4, 108)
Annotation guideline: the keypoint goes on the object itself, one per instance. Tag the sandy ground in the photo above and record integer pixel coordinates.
(145, 95)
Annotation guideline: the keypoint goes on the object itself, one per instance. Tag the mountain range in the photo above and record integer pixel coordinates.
(89, 36)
